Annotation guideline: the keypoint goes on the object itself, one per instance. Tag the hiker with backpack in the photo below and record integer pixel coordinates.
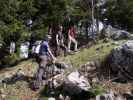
(60, 40)
(53, 43)
(45, 56)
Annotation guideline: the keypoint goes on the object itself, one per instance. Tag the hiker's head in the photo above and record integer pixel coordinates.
(60, 27)
(71, 24)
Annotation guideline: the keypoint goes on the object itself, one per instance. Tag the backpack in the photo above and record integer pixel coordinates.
(44, 48)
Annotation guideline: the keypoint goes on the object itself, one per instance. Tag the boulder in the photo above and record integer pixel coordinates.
(75, 84)
(54, 69)
(110, 96)
(115, 33)
(120, 60)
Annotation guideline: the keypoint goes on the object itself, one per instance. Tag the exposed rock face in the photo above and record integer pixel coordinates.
(115, 33)
(121, 60)
(75, 84)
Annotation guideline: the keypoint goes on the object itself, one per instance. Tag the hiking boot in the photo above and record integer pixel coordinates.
(76, 50)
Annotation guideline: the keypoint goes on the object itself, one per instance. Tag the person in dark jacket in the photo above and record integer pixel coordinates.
(60, 40)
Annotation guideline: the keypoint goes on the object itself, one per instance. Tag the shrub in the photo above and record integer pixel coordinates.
(10, 59)
(96, 90)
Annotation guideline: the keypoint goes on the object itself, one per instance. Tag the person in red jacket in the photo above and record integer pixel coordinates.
(71, 37)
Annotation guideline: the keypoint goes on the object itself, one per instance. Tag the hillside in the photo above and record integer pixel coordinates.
(20, 90)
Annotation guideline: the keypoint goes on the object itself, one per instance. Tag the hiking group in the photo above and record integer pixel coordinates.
(50, 48)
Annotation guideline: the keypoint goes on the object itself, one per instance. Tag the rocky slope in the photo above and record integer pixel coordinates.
(88, 69)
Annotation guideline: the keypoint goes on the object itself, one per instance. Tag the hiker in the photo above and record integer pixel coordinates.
(46, 57)
(71, 37)
(50, 29)
(60, 40)
(24, 50)
(12, 47)
(53, 43)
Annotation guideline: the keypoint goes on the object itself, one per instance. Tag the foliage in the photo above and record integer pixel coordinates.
(14, 15)
(96, 89)
(120, 12)
(10, 59)
(12, 27)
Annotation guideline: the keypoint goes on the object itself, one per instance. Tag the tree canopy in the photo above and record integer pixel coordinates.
(120, 13)
(14, 15)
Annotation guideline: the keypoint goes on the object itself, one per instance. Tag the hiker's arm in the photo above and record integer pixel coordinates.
(53, 57)
(57, 40)
(68, 32)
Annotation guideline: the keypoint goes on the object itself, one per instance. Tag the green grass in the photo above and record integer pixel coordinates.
(89, 54)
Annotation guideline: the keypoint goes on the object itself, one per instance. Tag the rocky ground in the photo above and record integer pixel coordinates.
(19, 89)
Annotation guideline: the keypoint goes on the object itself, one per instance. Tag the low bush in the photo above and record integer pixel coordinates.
(10, 60)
